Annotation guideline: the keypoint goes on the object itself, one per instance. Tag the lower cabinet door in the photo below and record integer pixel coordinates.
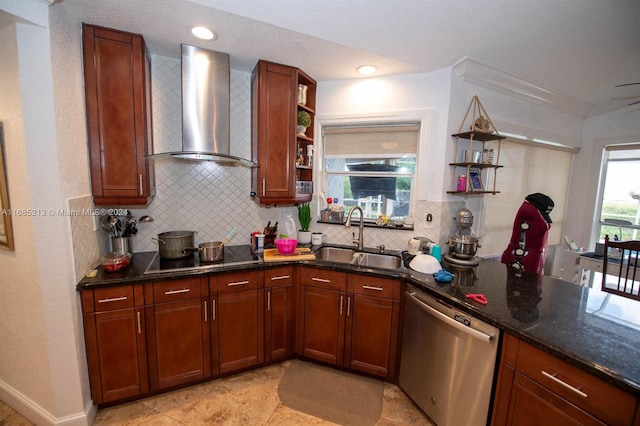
(278, 323)
(323, 329)
(240, 338)
(180, 346)
(116, 339)
(532, 404)
(371, 335)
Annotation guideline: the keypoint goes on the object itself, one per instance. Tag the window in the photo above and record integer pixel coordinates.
(528, 168)
(371, 166)
(620, 193)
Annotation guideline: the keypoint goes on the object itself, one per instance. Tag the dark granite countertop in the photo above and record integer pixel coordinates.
(595, 331)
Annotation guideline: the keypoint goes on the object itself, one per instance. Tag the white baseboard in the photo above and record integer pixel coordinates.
(38, 415)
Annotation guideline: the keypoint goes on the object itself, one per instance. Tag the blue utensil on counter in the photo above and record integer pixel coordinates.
(443, 276)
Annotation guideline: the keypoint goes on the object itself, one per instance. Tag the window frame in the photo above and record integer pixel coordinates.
(374, 174)
(598, 221)
(421, 119)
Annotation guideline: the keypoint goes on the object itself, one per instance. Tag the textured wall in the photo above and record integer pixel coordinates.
(211, 199)
(22, 325)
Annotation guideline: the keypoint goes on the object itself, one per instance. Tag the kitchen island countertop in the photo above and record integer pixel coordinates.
(595, 331)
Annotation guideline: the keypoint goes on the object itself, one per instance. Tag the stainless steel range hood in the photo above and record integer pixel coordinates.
(205, 108)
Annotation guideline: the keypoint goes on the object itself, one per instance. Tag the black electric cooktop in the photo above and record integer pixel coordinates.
(233, 255)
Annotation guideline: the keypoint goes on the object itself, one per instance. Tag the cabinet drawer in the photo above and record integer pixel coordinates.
(277, 277)
(374, 286)
(237, 281)
(170, 291)
(113, 298)
(604, 401)
(590, 264)
(326, 279)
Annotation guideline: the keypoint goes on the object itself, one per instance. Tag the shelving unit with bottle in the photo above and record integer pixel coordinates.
(475, 168)
(304, 140)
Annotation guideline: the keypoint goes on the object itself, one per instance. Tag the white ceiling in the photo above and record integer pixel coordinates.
(580, 48)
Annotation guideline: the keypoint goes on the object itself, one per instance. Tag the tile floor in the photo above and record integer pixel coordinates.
(249, 398)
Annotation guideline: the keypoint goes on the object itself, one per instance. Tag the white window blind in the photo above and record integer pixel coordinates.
(527, 169)
(390, 141)
(371, 166)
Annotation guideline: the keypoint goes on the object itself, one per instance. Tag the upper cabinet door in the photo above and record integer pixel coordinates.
(117, 93)
(275, 143)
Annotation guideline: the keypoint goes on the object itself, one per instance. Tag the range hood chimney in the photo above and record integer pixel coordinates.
(205, 108)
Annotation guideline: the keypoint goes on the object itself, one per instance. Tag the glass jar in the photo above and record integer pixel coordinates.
(302, 94)
(487, 156)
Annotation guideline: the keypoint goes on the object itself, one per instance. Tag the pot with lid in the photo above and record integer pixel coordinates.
(176, 244)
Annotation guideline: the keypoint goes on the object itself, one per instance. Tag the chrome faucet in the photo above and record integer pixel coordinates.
(347, 224)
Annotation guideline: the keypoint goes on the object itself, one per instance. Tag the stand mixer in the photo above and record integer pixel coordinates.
(463, 245)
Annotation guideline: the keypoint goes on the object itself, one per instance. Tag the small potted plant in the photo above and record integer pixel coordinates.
(304, 216)
(304, 121)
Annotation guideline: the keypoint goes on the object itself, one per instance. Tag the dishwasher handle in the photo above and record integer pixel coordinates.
(453, 323)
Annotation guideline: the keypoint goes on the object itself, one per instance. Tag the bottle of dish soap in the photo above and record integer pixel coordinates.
(289, 228)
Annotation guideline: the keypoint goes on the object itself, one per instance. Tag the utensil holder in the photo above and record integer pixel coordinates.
(121, 245)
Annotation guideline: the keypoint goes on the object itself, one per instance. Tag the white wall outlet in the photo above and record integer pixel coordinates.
(428, 218)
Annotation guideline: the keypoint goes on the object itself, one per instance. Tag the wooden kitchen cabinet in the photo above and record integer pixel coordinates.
(238, 321)
(534, 387)
(159, 335)
(279, 313)
(179, 332)
(117, 73)
(350, 320)
(373, 315)
(322, 311)
(115, 333)
(278, 178)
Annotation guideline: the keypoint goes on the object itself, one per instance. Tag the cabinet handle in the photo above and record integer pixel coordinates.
(237, 283)
(213, 309)
(264, 187)
(112, 299)
(184, 290)
(370, 287)
(341, 300)
(322, 280)
(281, 277)
(140, 184)
(349, 306)
(553, 377)
(139, 323)
(205, 311)
(268, 300)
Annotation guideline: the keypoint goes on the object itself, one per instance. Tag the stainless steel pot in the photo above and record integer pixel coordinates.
(211, 251)
(463, 246)
(176, 244)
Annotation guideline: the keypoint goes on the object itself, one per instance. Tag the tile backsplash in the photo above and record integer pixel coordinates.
(212, 199)
(201, 196)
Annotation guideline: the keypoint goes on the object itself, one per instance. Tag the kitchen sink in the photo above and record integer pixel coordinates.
(335, 254)
(373, 260)
(353, 257)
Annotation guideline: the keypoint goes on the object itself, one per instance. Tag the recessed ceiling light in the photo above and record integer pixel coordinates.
(203, 33)
(367, 69)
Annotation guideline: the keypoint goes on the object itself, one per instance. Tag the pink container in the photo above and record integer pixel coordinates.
(286, 245)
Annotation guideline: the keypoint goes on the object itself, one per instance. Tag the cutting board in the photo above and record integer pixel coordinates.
(302, 253)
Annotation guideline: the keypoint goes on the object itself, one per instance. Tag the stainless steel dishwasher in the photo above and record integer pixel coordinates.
(448, 360)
